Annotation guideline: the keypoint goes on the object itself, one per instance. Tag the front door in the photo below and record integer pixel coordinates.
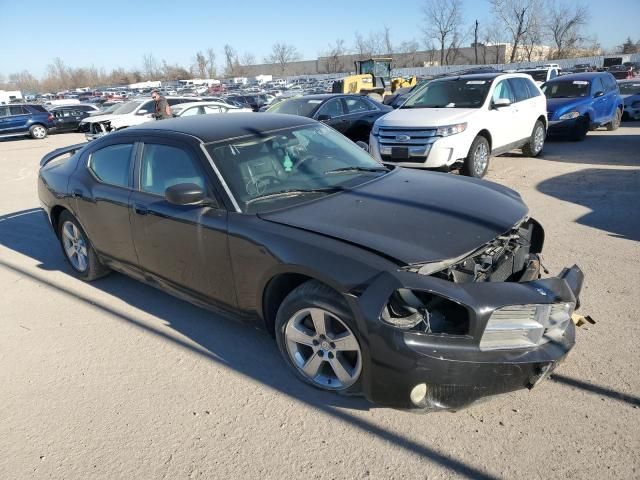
(503, 119)
(333, 114)
(184, 246)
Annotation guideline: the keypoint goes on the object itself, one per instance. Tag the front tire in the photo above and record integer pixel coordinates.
(316, 335)
(38, 132)
(536, 142)
(615, 123)
(581, 129)
(77, 249)
(477, 162)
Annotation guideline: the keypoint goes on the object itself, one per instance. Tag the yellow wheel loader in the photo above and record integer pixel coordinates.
(373, 78)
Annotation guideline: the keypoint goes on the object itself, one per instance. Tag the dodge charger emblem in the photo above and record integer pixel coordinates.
(402, 138)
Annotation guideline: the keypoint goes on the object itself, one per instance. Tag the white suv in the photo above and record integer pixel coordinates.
(463, 120)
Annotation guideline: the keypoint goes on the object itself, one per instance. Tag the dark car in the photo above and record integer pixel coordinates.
(630, 93)
(351, 115)
(25, 119)
(67, 118)
(622, 72)
(580, 102)
(254, 102)
(417, 289)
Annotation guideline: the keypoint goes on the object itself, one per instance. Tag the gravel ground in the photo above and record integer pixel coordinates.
(117, 380)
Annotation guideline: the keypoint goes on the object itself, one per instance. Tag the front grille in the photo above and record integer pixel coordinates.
(417, 141)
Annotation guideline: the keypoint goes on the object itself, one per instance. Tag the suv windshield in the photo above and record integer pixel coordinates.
(455, 93)
(567, 89)
(538, 75)
(279, 168)
(630, 88)
(297, 106)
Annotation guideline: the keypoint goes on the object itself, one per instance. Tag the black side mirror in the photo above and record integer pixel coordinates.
(363, 145)
(324, 117)
(185, 194)
(599, 93)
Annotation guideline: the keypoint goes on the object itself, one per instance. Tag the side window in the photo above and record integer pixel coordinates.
(553, 73)
(211, 109)
(112, 164)
(596, 86)
(4, 111)
(191, 111)
(502, 90)
(610, 82)
(355, 105)
(533, 89)
(17, 110)
(164, 166)
(519, 88)
(333, 108)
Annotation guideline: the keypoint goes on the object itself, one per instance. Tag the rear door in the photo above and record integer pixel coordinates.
(182, 246)
(4, 118)
(525, 111)
(17, 120)
(102, 186)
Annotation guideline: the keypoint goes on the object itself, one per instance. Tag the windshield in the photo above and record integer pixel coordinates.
(566, 89)
(297, 106)
(111, 108)
(538, 75)
(301, 161)
(630, 88)
(126, 107)
(454, 93)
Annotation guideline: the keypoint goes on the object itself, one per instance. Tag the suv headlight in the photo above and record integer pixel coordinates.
(376, 129)
(448, 130)
(569, 115)
(522, 326)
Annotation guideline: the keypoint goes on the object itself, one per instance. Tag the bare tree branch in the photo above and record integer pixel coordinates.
(283, 54)
(443, 19)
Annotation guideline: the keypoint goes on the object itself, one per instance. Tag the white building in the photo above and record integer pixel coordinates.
(260, 79)
(147, 84)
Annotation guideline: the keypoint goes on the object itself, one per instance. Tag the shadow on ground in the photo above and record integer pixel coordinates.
(612, 195)
(247, 351)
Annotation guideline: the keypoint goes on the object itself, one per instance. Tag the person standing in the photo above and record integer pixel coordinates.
(163, 110)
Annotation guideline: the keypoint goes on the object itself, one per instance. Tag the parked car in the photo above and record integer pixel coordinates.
(581, 102)
(583, 67)
(463, 120)
(133, 112)
(67, 119)
(630, 93)
(203, 108)
(25, 119)
(417, 289)
(541, 75)
(635, 67)
(351, 115)
(621, 72)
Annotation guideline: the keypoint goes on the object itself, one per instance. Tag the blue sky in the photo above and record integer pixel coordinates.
(116, 33)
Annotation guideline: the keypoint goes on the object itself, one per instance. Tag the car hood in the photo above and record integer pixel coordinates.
(99, 118)
(424, 117)
(630, 97)
(412, 216)
(561, 105)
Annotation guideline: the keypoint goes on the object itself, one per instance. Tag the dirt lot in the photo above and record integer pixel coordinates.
(117, 380)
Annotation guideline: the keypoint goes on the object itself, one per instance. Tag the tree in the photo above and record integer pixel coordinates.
(517, 17)
(231, 60)
(444, 18)
(211, 61)
(564, 26)
(388, 46)
(475, 41)
(492, 36)
(333, 57)
(282, 54)
(628, 46)
(408, 51)
(24, 81)
(201, 64)
(150, 67)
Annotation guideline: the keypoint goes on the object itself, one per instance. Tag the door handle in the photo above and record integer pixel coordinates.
(140, 209)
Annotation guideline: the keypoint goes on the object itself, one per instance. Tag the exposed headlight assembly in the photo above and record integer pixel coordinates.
(448, 130)
(569, 115)
(376, 129)
(522, 326)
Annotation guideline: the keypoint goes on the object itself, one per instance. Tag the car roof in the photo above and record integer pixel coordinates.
(474, 76)
(203, 103)
(215, 128)
(587, 76)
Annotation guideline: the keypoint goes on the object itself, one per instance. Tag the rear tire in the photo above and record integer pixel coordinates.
(317, 337)
(477, 162)
(615, 123)
(536, 142)
(38, 131)
(77, 249)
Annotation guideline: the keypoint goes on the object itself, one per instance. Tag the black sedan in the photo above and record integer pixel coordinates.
(67, 118)
(417, 289)
(351, 115)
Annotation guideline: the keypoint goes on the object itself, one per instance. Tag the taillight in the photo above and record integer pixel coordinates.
(50, 117)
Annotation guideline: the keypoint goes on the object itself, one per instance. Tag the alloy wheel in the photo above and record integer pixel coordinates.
(39, 132)
(75, 246)
(538, 139)
(481, 158)
(323, 349)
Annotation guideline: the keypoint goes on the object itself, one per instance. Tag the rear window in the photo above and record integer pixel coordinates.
(38, 108)
(17, 110)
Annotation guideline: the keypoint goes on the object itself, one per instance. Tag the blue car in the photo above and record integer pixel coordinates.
(24, 119)
(581, 102)
(630, 92)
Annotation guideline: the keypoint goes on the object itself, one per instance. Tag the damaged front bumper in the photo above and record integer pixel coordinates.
(95, 130)
(427, 371)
